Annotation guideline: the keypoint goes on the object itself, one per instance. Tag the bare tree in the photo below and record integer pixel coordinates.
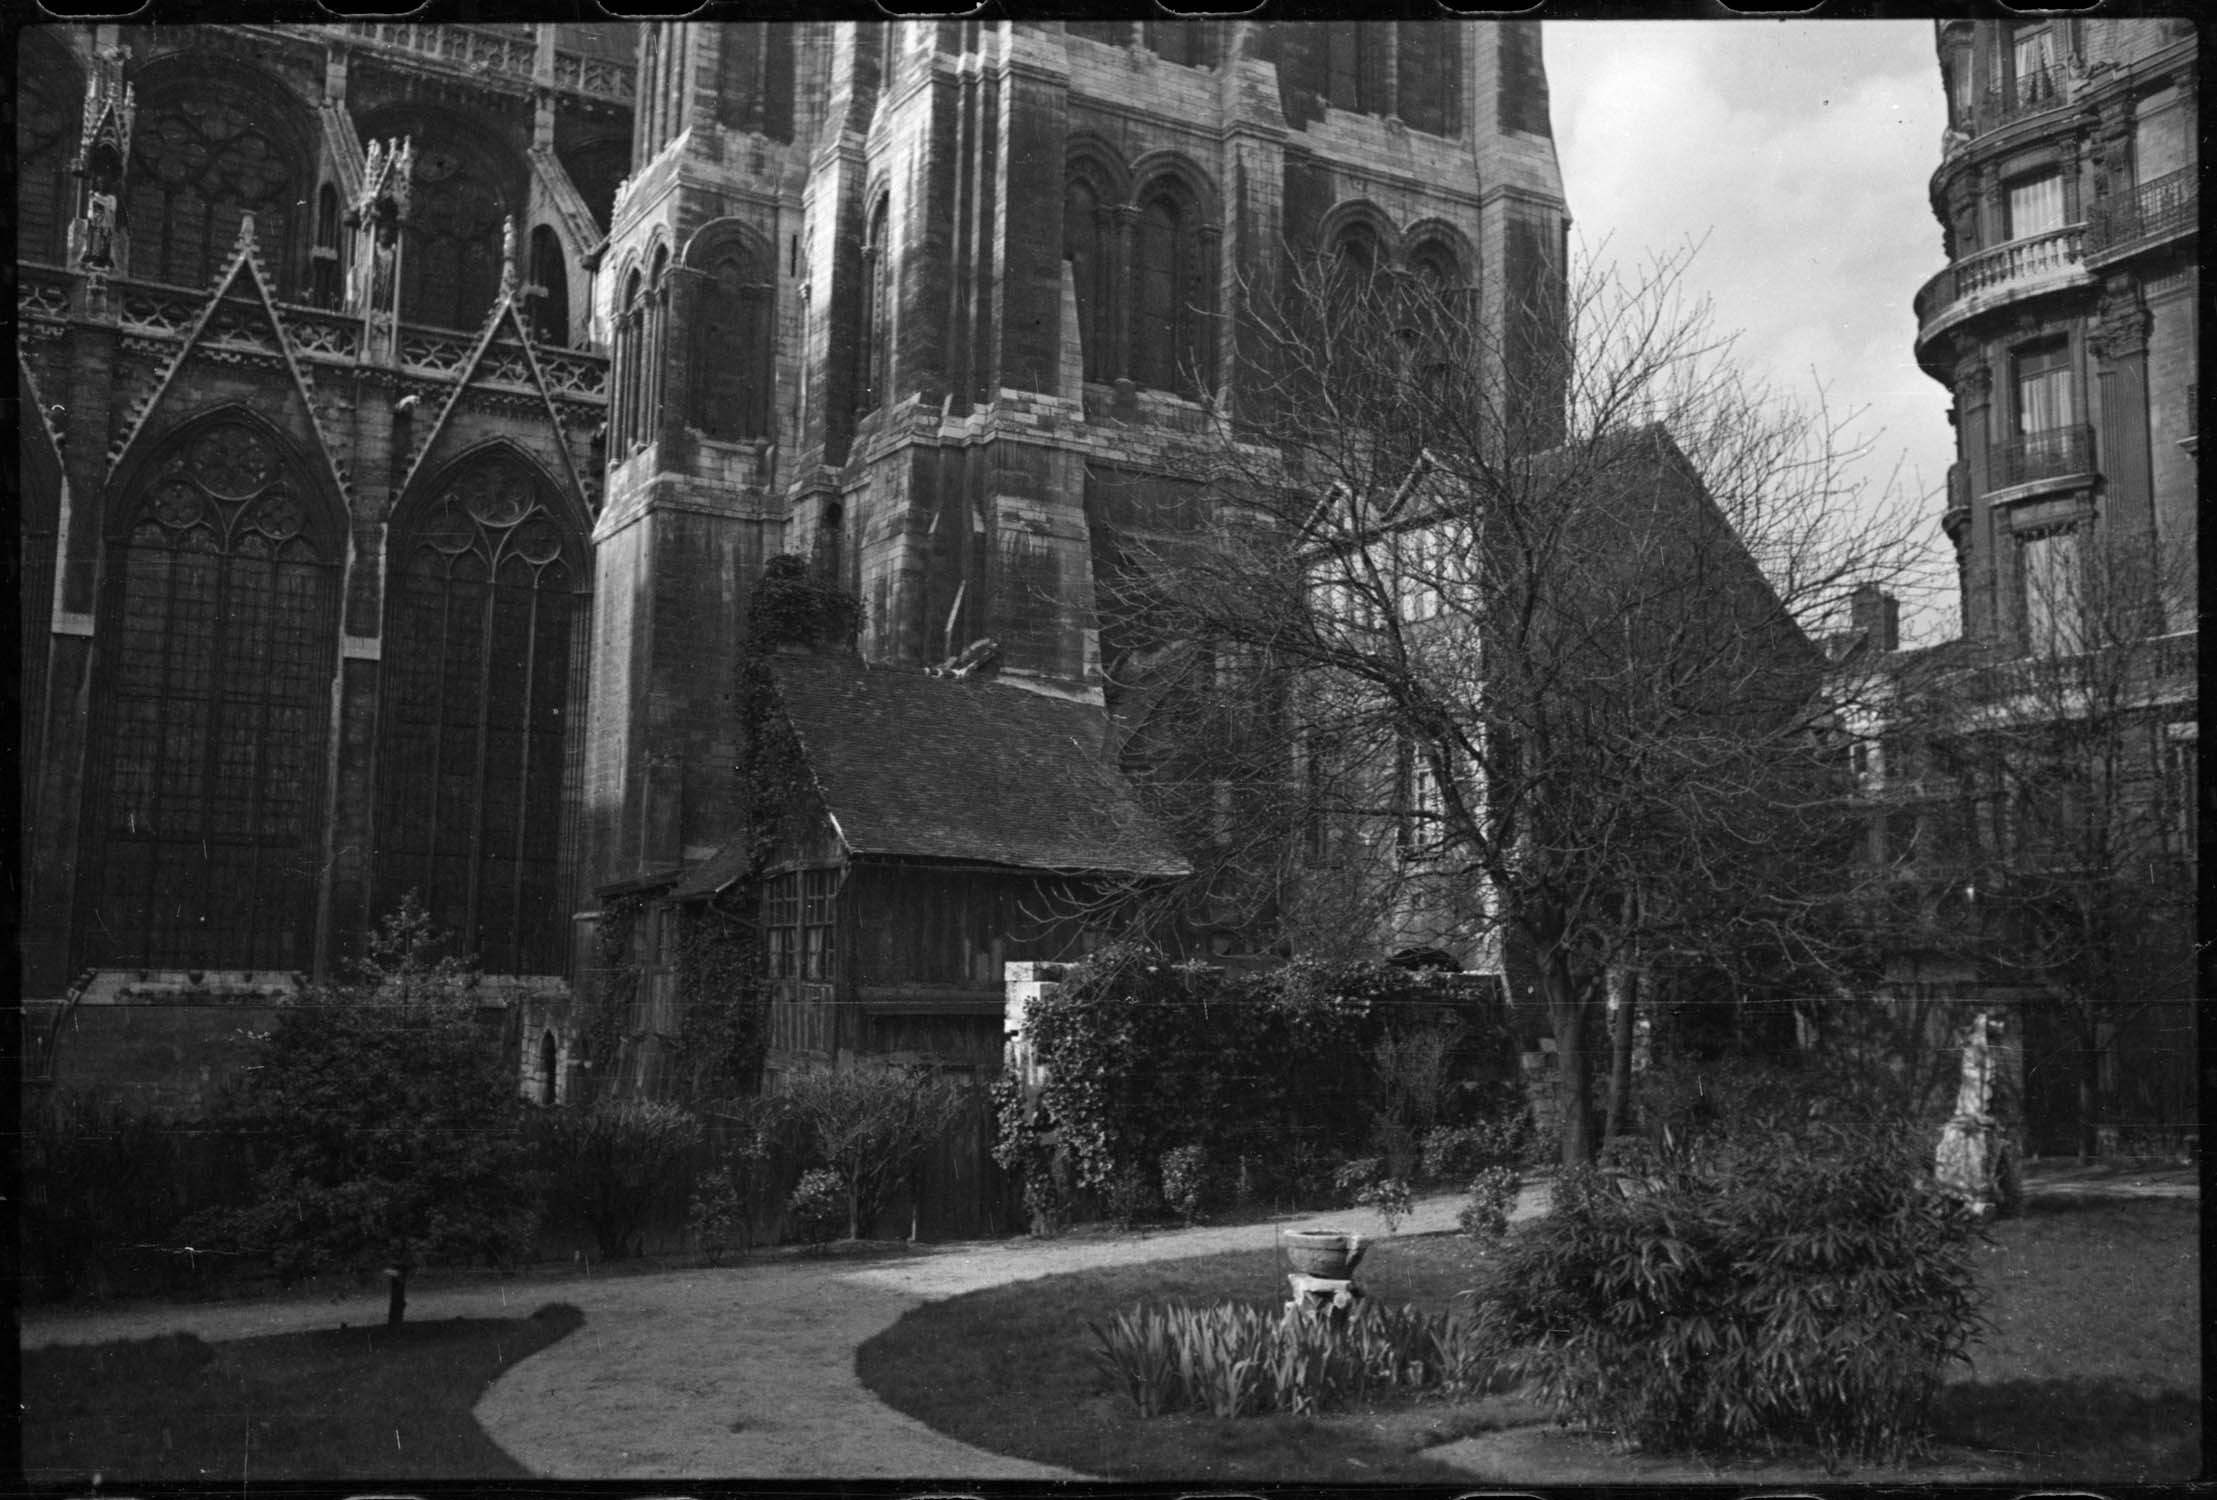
(1504, 620)
(2065, 839)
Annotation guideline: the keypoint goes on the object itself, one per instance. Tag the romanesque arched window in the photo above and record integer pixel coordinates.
(49, 111)
(1169, 293)
(218, 640)
(1085, 241)
(482, 604)
(734, 341)
(204, 155)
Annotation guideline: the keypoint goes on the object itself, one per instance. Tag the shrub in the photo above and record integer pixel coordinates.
(728, 1197)
(1142, 1056)
(392, 1126)
(817, 1206)
(98, 1176)
(1238, 1360)
(1130, 1198)
(1185, 1172)
(1818, 1287)
(872, 1127)
(1492, 1194)
(1364, 1183)
(1456, 1153)
(613, 1162)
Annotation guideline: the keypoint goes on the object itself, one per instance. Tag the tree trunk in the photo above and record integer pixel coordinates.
(2089, 1084)
(1566, 1012)
(396, 1295)
(1623, 996)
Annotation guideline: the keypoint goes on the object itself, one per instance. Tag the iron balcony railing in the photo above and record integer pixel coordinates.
(2036, 258)
(2051, 454)
(2157, 209)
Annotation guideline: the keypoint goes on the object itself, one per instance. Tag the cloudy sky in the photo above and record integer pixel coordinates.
(1799, 152)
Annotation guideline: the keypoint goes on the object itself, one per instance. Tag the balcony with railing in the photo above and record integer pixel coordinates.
(2157, 210)
(504, 51)
(2057, 453)
(1993, 278)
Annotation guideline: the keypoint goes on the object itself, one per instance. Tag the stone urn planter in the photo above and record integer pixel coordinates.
(1327, 1254)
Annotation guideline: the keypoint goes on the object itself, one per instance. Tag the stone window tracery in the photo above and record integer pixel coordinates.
(48, 106)
(219, 630)
(201, 161)
(450, 272)
(480, 624)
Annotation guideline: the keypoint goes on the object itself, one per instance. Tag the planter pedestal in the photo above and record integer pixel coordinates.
(1323, 1297)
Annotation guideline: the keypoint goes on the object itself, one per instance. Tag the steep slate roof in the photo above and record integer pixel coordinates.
(966, 769)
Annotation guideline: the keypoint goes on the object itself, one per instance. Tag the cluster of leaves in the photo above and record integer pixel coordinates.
(99, 1177)
(613, 1163)
(1143, 1056)
(817, 1205)
(1810, 1289)
(795, 605)
(605, 1017)
(1185, 1181)
(391, 1126)
(723, 1033)
(1237, 1360)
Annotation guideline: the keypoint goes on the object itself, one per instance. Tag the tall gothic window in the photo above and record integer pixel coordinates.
(201, 161)
(48, 115)
(479, 627)
(623, 422)
(450, 269)
(1084, 246)
(1167, 323)
(1354, 67)
(219, 635)
(873, 349)
(734, 348)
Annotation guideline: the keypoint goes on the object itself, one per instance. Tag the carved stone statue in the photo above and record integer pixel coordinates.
(1975, 1161)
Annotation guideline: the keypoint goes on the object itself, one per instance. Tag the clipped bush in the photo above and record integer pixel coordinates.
(1457, 1153)
(1185, 1182)
(816, 1209)
(1810, 1291)
(1492, 1194)
(612, 1163)
(1238, 1360)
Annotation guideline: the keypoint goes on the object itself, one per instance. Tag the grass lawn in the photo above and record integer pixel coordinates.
(352, 1403)
(2092, 1370)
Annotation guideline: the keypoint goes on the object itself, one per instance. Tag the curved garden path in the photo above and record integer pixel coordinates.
(747, 1371)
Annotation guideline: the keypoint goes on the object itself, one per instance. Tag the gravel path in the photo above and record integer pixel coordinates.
(747, 1371)
(743, 1371)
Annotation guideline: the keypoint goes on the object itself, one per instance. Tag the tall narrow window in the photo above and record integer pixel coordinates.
(734, 345)
(1083, 247)
(754, 78)
(1168, 327)
(2043, 389)
(2052, 602)
(479, 616)
(550, 288)
(219, 638)
(49, 100)
(623, 421)
(873, 349)
(2033, 62)
(819, 924)
(781, 926)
